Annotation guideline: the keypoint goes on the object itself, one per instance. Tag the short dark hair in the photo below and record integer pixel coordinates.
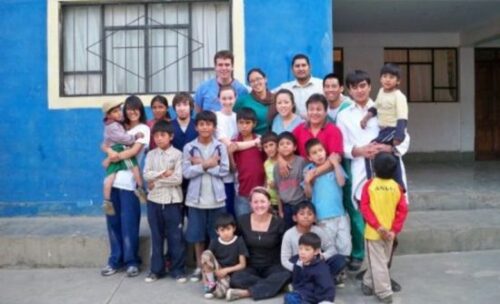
(246, 114)
(334, 76)
(311, 143)
(224, 54)
(269, 137)
(392, 69)
(300, 56)
(162, 126)
(207, 116)
(287, 135)
(356, 77)
(227, 88)
(255, 70)
(224, 220)
(310, 239)
(385, 165)
(304, 205)
(317, 98)
(182, 97)
(286, 92)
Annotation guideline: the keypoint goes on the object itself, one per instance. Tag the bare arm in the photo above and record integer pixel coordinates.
(242, 263)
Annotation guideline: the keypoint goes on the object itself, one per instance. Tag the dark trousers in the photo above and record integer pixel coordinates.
(123, 229)
(288, 215)
(165, 222)
(336, 263)
(263, 283)
(230, 193)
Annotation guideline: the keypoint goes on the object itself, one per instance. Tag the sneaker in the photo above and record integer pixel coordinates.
(360, 275)
(367, 291)
(108, 271)
(340, 280)
(132, 271)
(208, 295)
(354, 264)
(234, 294)
(107, 207)
(151, 278)
(387, 299)
(395, 286)
(181, 278)
(196, 275)
(141, 194)
(209, 291)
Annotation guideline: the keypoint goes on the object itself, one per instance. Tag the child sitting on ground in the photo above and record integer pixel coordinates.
(391, 109)
(116, 138)
(384, 208)
(225, 255)
(311, 280)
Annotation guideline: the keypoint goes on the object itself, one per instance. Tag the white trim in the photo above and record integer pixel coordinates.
(55, 101)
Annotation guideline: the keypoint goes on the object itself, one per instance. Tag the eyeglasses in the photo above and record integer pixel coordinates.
(256, 79)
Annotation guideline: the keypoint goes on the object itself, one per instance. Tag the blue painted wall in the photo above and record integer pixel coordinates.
(277, 30)
(51, 162)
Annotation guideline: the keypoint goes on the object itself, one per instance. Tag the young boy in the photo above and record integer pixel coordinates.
(116, 138)
(391, 109)
(163, 171)
(311, 280)
(249, 163)
(384, 208)
(289, 189)
(184, 127)
(204, 162)
(304, 218)
(269, 142)
(326, 195)
(225, 255)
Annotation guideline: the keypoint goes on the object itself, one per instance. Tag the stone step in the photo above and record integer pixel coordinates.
(421, 200)
(449, 231)
(83, 242)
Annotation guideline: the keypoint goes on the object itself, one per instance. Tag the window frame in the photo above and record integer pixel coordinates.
(433, 87)
(55, 84)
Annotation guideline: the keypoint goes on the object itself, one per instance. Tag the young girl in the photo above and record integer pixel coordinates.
(270, 146)
(289, 189)
(286, 120)
(225, 255)
(116, 139)
(159, 107)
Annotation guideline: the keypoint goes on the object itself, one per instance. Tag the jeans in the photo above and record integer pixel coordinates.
(165, 222)
(241, 205)
(123, 229)
(288, 216)
(230, 193)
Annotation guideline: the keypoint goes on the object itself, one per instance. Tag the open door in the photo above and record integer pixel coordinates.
(487, 105)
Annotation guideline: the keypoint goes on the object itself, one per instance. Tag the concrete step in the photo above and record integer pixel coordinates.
(449, 231)
(83, 242)
(421, 200)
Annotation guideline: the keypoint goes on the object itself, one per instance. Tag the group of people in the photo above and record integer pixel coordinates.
(290, 185)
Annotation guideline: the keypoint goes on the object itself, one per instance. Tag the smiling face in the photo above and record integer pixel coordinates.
(133, 115)
(284, 104)
(258, 82)
(270, 148)
(316, 113)
(259, 203)
(227, 99)
(332, 89)
(224, 70)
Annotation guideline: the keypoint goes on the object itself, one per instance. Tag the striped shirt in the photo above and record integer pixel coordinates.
(166, 190)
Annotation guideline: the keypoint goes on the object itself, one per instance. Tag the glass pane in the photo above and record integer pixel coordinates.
(200, 76)
(395, 56)
(420, 83)
(420, 56)
(445, 95)
(121, 15)
(210, 30)
(403, 85)
(125, 61)
(81, 31)
(445, 69)
(82, 84)
(169, 63)
(169, 13)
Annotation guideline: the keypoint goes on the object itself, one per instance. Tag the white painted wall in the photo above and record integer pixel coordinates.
(433, 127)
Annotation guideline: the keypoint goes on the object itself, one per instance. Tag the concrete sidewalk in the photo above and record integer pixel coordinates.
(471, 277)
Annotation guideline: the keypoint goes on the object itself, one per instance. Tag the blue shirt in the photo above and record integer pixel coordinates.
(181, 138)
(206, 96)
(326, 195)
(279, 128)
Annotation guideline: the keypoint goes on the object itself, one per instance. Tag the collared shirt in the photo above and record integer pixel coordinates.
(348, 122)
(302, 92)
(206, 96)
(329, 135)
(166, 190)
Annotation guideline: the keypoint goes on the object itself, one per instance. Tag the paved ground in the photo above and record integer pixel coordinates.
(471, 277)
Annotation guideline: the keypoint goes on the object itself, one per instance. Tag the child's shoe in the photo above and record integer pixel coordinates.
(340, 280)
(366, 290)
(151, 278)
(107, 207)
(196, 275)
(209, 290)
(108, 271)
(387, 299)
(181, 278)
(395, 286)
(141, 194)
(234, 294)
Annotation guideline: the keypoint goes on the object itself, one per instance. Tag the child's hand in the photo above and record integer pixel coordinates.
(211, 162)
(364, 122)
(310, 176)
(195, 160)
(139, 135)
(382, 231)
(151, 186)
(221, 273)
(167, 173)
(105, 163)
(257, 142)
(390, 235)
(335, 159)
(233, 147)
(283, 168)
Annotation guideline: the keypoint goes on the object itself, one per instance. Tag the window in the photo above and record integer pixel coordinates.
(140, 48)
(428, 74)
(338, 62)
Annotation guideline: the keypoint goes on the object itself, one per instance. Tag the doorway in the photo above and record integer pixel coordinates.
(487, 104)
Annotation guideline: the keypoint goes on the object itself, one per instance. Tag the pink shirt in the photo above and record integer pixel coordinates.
(329, 135)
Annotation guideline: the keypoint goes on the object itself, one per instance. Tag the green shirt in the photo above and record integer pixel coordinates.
(248, 101)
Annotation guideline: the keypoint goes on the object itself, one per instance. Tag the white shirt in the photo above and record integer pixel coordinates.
(302, 93)
(226, 125)
(125, 179)
(348, 122)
